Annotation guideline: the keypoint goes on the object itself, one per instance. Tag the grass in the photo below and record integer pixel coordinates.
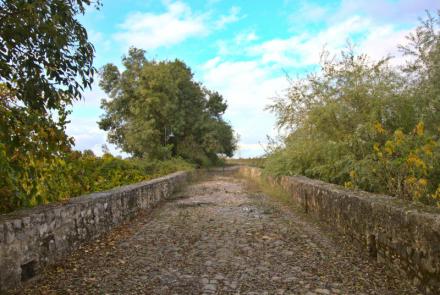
(254, 162)
(274, 191)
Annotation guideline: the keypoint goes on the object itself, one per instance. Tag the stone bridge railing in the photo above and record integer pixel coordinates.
(394, 231)
(33, 238)
(390, 230)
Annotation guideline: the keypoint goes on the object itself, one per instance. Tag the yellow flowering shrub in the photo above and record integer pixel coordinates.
(403, 165)
(41, 181)
(436, 196)
(366, 124)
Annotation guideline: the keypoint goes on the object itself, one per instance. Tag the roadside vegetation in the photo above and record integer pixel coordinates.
(40, 181)
(255, 162)
(367, 124)
(156, 112)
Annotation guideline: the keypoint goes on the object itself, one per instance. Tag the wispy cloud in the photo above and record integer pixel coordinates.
(386, 10)
(245, 37)
(177, 24)
(150, 31)
(88, 136)
(249, 71)
(247, 86)
(237, 45)
(232, 17)
(304, 49)
(306, 14)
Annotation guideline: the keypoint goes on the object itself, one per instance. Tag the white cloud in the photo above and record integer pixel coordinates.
(98, 39)
(211, 63)
(86, 133)
(235, 46)
(249, 150)
(245, 37)
(232, 17)
(386, 10)
(247, 86)
(177, 24)
(88, 136)
(389, 38)
(306, 13)
(83, 126)
(91, 98)
(304, 49)
(150, 31)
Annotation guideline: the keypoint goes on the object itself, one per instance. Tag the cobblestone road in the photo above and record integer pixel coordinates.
(217, 237)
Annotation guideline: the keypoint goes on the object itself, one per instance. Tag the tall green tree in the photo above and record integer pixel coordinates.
(156, 110)
(45, 63)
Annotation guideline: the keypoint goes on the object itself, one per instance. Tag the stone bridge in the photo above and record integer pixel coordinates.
(221, 234)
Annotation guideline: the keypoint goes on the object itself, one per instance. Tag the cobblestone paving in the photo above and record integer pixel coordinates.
(217, 238)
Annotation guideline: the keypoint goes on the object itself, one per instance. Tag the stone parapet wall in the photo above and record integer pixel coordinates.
(403, 235)
(33, 238)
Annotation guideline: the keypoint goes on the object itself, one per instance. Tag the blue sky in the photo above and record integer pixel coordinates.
(240, 48)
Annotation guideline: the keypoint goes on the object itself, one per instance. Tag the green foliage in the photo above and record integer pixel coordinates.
(45, 57)
(366, 124)
(27, 138)
(255, 162)
(45, 63)
(404, 165)
(151, 100)
(41, 180)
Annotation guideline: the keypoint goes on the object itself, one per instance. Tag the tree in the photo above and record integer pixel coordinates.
(45, 56)
(45, 63)
(423, 68)
(150, 100)
(367, 124)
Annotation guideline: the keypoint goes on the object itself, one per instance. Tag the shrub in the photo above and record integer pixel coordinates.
(366, 124)
(41, 181)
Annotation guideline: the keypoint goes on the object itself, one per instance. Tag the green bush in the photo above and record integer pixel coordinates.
(366, 124)
(41, 181)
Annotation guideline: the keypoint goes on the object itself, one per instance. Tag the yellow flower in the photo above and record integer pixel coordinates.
(410, 180)
(420, 129)
(352, 174)
(389, 147)
(427, 149)
(376, 147)
(379, 128)
(415, 161)
(423, 182)
(398, 134)
(436, 195)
